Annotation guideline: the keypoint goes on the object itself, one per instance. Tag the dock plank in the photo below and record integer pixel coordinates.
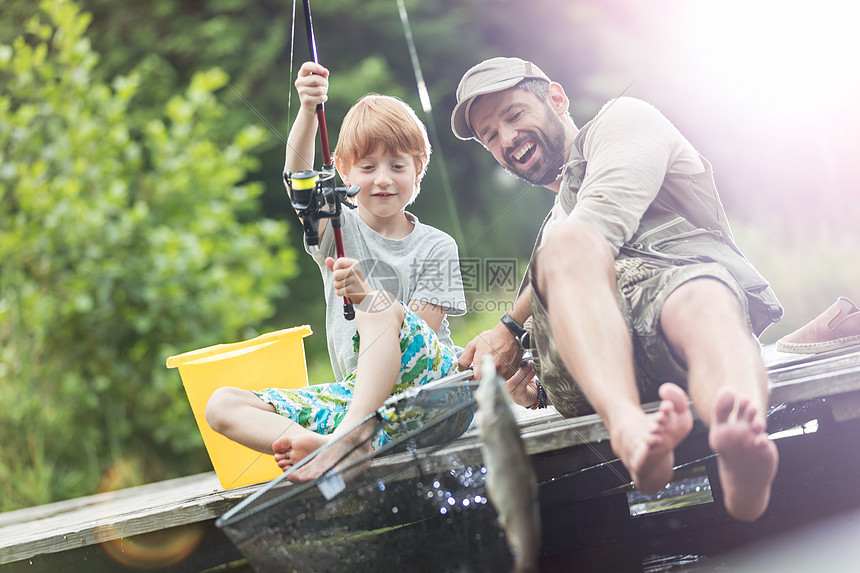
(91, 520)
(72, 525)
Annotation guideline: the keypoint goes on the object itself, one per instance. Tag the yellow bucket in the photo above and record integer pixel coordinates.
(272, 360)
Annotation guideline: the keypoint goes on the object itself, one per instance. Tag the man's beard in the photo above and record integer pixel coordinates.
(551, 145)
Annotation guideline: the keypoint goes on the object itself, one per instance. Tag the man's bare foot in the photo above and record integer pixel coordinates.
(647, 445)
(290, 450)
(747, 459)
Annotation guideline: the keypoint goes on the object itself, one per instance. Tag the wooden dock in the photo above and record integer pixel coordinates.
(169, 526)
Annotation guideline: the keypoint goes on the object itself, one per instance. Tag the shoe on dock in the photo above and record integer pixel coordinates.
(835, 328)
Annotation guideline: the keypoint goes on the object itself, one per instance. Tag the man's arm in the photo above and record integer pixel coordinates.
(500, 342)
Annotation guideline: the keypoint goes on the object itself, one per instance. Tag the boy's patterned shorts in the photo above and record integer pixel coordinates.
(320, 408)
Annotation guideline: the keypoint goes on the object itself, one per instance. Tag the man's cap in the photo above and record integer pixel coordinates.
(490, 76)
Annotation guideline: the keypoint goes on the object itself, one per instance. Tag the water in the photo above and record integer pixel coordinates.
(678, 494)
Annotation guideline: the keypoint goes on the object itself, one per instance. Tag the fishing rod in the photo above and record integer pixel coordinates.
(313, 194)
(312, 46)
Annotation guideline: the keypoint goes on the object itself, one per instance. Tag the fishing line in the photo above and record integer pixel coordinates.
(269, 125)
(594, 451)
(290, 92)
(427, 107)
(578, 434)
(268, 452)
(290, 76)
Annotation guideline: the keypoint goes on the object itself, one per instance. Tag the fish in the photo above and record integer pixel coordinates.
(510, 478)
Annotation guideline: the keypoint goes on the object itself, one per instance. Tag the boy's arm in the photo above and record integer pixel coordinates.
(312, 87)
(348, 280)
(430, 313)
(438, 287)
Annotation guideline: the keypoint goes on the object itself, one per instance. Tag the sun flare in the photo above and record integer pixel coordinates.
(788, 54)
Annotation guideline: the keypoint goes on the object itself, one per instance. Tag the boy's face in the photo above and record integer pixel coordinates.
(387, 180)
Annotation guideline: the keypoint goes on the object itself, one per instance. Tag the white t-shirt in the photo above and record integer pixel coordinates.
(422, 266)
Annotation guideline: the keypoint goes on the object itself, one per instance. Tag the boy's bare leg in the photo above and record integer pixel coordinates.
(576, 273)
(244, 418)
(704, 322)
(378, 368)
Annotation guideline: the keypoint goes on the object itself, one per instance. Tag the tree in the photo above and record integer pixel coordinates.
(124, 238)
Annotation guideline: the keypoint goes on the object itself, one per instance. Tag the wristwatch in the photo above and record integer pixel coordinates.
(516, 329)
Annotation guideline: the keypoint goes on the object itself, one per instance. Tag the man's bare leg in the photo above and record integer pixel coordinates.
(651, 461)
(378, 368)
(704, 323)
(747, 459)
(576, 275)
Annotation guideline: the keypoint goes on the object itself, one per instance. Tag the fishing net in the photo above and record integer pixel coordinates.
(420, 506)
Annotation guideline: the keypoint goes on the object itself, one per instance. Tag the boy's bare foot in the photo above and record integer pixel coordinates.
(290, 450)
(647, 445)
(747, 459)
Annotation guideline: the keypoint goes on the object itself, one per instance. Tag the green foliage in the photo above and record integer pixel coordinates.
(122, 242)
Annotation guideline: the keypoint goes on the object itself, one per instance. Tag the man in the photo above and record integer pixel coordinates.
(635, 282)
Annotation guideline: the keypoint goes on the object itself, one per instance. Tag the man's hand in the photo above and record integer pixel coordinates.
(522, 386)
(501, 345)
(347, 278)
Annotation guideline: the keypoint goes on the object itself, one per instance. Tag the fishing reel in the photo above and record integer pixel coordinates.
(314, 196)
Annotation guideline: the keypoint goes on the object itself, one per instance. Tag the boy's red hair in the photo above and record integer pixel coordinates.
(378, 121)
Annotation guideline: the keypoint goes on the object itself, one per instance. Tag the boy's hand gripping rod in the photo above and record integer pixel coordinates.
(306, 187)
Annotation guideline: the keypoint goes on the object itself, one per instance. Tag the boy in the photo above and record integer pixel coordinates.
(400, 335)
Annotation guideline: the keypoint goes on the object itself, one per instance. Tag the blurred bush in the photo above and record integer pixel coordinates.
(122, 242)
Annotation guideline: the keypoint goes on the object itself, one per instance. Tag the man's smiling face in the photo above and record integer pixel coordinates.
(522, 132)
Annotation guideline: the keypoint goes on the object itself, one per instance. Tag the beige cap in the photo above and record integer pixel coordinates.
(490, 76)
